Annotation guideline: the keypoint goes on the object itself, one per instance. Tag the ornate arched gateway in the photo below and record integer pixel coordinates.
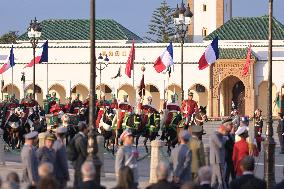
(227, 85)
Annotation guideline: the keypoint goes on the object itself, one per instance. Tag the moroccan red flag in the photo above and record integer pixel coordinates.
(130, 61)
(246, 67)
(142, 87)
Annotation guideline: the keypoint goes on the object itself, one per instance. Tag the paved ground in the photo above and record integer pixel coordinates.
(13, 163)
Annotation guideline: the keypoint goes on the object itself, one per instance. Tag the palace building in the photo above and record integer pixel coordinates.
(67, 72)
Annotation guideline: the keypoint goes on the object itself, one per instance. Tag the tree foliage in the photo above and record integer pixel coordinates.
(161, 27)
(9, 38)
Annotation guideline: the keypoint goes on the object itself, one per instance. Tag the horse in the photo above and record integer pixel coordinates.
(171, 131)
(106, 130)
(149, 128)
(70, 121)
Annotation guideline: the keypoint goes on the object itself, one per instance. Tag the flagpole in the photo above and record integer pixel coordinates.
(47, 78)
(12, 80)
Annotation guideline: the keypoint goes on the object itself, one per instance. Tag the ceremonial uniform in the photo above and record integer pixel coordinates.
(101, 106)
(55, 109)
(75, 106)
(173, 108)
(258, 131)
(29, 160)
(123, 108)
(188, 108)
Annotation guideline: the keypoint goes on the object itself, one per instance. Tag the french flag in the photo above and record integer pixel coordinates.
(41, 55)
(210, 55)
(165, 60)
(10, 62)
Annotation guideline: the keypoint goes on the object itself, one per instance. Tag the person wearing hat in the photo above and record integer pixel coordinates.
(197, 149)
(37, 125)
(29, 159)
(180, 160)
(46, 153)
(244, 123)
(123, 108)
(188, 108)
(217, 156)
(76, 105)
(127, 155)
(61, 162)
(242, 149)
(67, 105)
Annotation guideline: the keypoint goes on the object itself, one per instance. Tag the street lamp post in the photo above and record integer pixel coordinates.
(182, 19)
(269, 153)
(104, 62)
(92, 138)
(34, 33)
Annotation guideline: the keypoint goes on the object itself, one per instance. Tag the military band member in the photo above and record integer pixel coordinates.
(29, 159)
(188, 108)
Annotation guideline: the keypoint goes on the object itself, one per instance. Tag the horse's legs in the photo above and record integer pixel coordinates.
(145, 144)
(137, 140)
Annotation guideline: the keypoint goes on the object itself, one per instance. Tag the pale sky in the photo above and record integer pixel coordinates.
(135, 15)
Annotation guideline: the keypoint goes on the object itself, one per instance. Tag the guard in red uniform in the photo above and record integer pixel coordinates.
(114, 103)
(76, 105)
(56, 108)
(188, 108)
(241, 149)
(123, 108)
(67, 106)
(173, 108)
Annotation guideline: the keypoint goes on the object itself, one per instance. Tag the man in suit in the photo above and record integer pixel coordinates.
(248, 180)
(217, 157)
(204, 177)
(81, 142)
(280, 185)
(197, 149)
(229, 145)
(180, 160)
(29, 159)
(162, 173)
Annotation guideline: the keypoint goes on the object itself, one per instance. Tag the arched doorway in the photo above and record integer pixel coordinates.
(38, 91)
(60, 92)
(173, 89)
(262, 98)
(153, 91)
(80, 89)
(232, 95)
(11, 89)
(127, 90)
(103, 90)
(200, 94)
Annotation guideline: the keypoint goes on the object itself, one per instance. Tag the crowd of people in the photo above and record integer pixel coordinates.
(233, 148)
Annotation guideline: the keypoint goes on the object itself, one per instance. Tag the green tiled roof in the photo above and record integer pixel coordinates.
(79, 29)
(248, 28)
(235, 53)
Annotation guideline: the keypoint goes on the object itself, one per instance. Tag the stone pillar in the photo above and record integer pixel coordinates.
(41, 137)
(2, 153)
(100, 142)
(156, 146)
(207, 155)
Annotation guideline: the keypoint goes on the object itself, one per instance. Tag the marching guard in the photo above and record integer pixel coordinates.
(189, 108)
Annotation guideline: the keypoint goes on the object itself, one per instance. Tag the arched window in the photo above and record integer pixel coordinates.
(204, 31)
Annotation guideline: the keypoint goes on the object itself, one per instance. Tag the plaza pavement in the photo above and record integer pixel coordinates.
(13, 162)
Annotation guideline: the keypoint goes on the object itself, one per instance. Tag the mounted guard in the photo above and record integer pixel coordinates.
(189, 108)
(76, 105)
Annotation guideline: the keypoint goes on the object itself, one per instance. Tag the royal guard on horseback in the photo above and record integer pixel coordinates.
(101, 107)
(87, 100)
(189, 108)
(173, 109)
(258, 124)
(114, 103)
(67, 105)
(29, 102)
(76, 105)
(123, 108)
(55, 108)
